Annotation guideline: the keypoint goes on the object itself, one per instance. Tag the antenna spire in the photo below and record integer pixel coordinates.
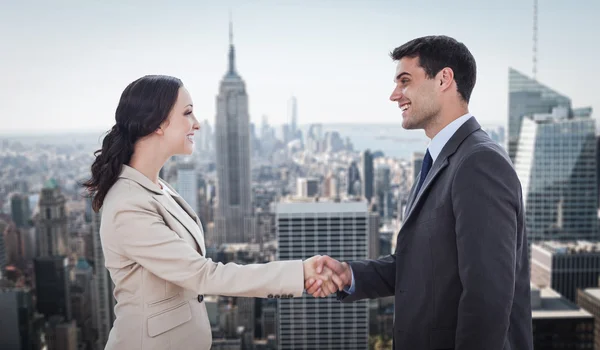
(535, 37)
(230, 29)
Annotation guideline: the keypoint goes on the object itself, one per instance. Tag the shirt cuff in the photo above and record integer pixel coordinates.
(352, 286)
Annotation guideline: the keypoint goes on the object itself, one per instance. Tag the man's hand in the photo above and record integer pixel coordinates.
(322, 279)
(342, 276)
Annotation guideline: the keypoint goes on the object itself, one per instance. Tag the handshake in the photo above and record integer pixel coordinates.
(324, 276)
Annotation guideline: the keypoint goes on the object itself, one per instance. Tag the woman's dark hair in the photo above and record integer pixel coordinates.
(144, 105)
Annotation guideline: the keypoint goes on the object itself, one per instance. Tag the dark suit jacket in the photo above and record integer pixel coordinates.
(460, 272)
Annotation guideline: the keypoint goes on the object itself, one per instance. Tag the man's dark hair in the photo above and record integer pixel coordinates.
(439, 51)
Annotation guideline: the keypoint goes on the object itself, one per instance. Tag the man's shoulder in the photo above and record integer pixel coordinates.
(479, 144)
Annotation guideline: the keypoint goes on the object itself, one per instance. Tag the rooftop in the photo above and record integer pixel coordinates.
(571, 247)
(547, 303)
(294, 205)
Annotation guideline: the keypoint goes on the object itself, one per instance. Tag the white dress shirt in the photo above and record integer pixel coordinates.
(435, 148)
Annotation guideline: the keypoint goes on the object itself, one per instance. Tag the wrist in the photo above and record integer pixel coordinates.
(347, 275)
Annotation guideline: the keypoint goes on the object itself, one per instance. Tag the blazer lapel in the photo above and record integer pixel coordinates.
(197, 224)
(191, 222)
(441, 162)
(186, 220)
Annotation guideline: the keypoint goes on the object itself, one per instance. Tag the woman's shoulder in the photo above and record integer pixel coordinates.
(126, 193)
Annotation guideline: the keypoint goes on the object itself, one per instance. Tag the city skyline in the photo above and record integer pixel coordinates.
(77, 58)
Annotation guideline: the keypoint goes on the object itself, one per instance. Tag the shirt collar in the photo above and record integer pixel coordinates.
(439, 141)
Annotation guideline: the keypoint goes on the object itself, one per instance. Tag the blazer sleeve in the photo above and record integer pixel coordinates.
(486, 200)
(140, 234)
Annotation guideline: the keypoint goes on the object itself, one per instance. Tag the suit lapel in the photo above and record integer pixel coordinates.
(190, 221)
(441, 162)
(185, 220)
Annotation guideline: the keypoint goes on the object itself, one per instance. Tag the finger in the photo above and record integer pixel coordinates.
(315, 286)
(328, 288)
(308, 283)
(338, 281)
(320, 263)
(317, 294)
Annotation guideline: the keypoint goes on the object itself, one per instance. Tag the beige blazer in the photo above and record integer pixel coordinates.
(155, 256)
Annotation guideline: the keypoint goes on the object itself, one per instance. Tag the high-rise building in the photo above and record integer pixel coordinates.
(13, 244)
(416, 165)
(366, 174)
(52, 286)
(268, 321)
(353, 183)
(293, 115)
(526, 96)
(82, 303)
(383, 192)
(374, 244)
(51, 222)
(187, 183)
(205, 137)
(3, 253)
(558, 323)
(103, 294)
(307, 187)
(18, 329)
(340, 230)
(61, 334)
(19, 206)
(234, 222)
(556, 165)
(565, 266)
(331, 186)
(589, 300)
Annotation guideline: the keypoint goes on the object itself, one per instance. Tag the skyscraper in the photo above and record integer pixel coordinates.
(105, 301)
(293, 115)
(17, 319)
(366, 169)
(233, 221)
(52, 286)
(565, 266)
(353, 180)
(187, 183)
(51, 222)
(556, 164)
(527, 96)
(19, 206)
(340, 230)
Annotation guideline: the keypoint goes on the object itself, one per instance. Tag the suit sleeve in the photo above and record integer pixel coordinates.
(141, 235)
(486, 200)
(373, 279)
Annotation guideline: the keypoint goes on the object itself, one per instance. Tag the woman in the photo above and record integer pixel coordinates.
(152, 240)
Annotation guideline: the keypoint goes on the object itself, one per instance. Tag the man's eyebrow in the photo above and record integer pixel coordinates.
(401, 75)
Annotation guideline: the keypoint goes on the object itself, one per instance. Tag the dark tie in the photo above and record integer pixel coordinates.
(427, 162)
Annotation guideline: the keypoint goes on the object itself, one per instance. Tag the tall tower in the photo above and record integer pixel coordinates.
(103, 294)
(366, 169)
(526, 96)
(340, 230)
(293, 114)
(556, 164)
(51, 222)
(232, 130)
(187, 184)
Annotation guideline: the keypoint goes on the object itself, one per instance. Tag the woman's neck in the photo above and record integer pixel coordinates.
(148, 160)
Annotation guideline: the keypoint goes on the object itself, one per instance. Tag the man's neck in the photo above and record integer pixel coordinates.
(439, 123)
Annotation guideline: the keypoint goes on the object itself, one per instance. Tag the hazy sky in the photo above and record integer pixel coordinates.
(64, 65)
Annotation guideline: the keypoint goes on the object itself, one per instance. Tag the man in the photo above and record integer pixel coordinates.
(460, 271)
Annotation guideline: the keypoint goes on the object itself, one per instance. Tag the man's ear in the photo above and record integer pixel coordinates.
(446, 78)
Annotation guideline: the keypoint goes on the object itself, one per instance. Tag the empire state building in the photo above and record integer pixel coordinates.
(233, 222)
